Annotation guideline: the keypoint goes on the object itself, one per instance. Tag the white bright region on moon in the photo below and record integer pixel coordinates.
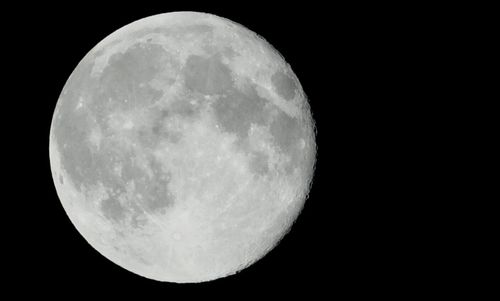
(182, 147)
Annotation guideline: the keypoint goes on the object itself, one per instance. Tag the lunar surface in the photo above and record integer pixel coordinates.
(182, 147)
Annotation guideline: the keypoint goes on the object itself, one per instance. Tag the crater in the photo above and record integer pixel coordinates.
(284, 85)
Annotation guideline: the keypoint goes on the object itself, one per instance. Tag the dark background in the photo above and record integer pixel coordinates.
(351, 238)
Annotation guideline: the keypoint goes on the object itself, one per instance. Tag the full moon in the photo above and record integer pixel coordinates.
(182, 147)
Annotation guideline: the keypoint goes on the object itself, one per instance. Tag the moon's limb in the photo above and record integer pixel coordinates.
(174, 151)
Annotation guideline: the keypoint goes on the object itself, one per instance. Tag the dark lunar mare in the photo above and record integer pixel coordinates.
(284, 84)
(122, 86)
(236, 109)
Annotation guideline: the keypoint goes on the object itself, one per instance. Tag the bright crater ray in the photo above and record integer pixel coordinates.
(182, 147)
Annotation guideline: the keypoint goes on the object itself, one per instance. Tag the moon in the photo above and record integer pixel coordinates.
(182, 147)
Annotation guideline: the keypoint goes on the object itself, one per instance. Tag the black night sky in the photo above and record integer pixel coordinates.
(348, 238)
